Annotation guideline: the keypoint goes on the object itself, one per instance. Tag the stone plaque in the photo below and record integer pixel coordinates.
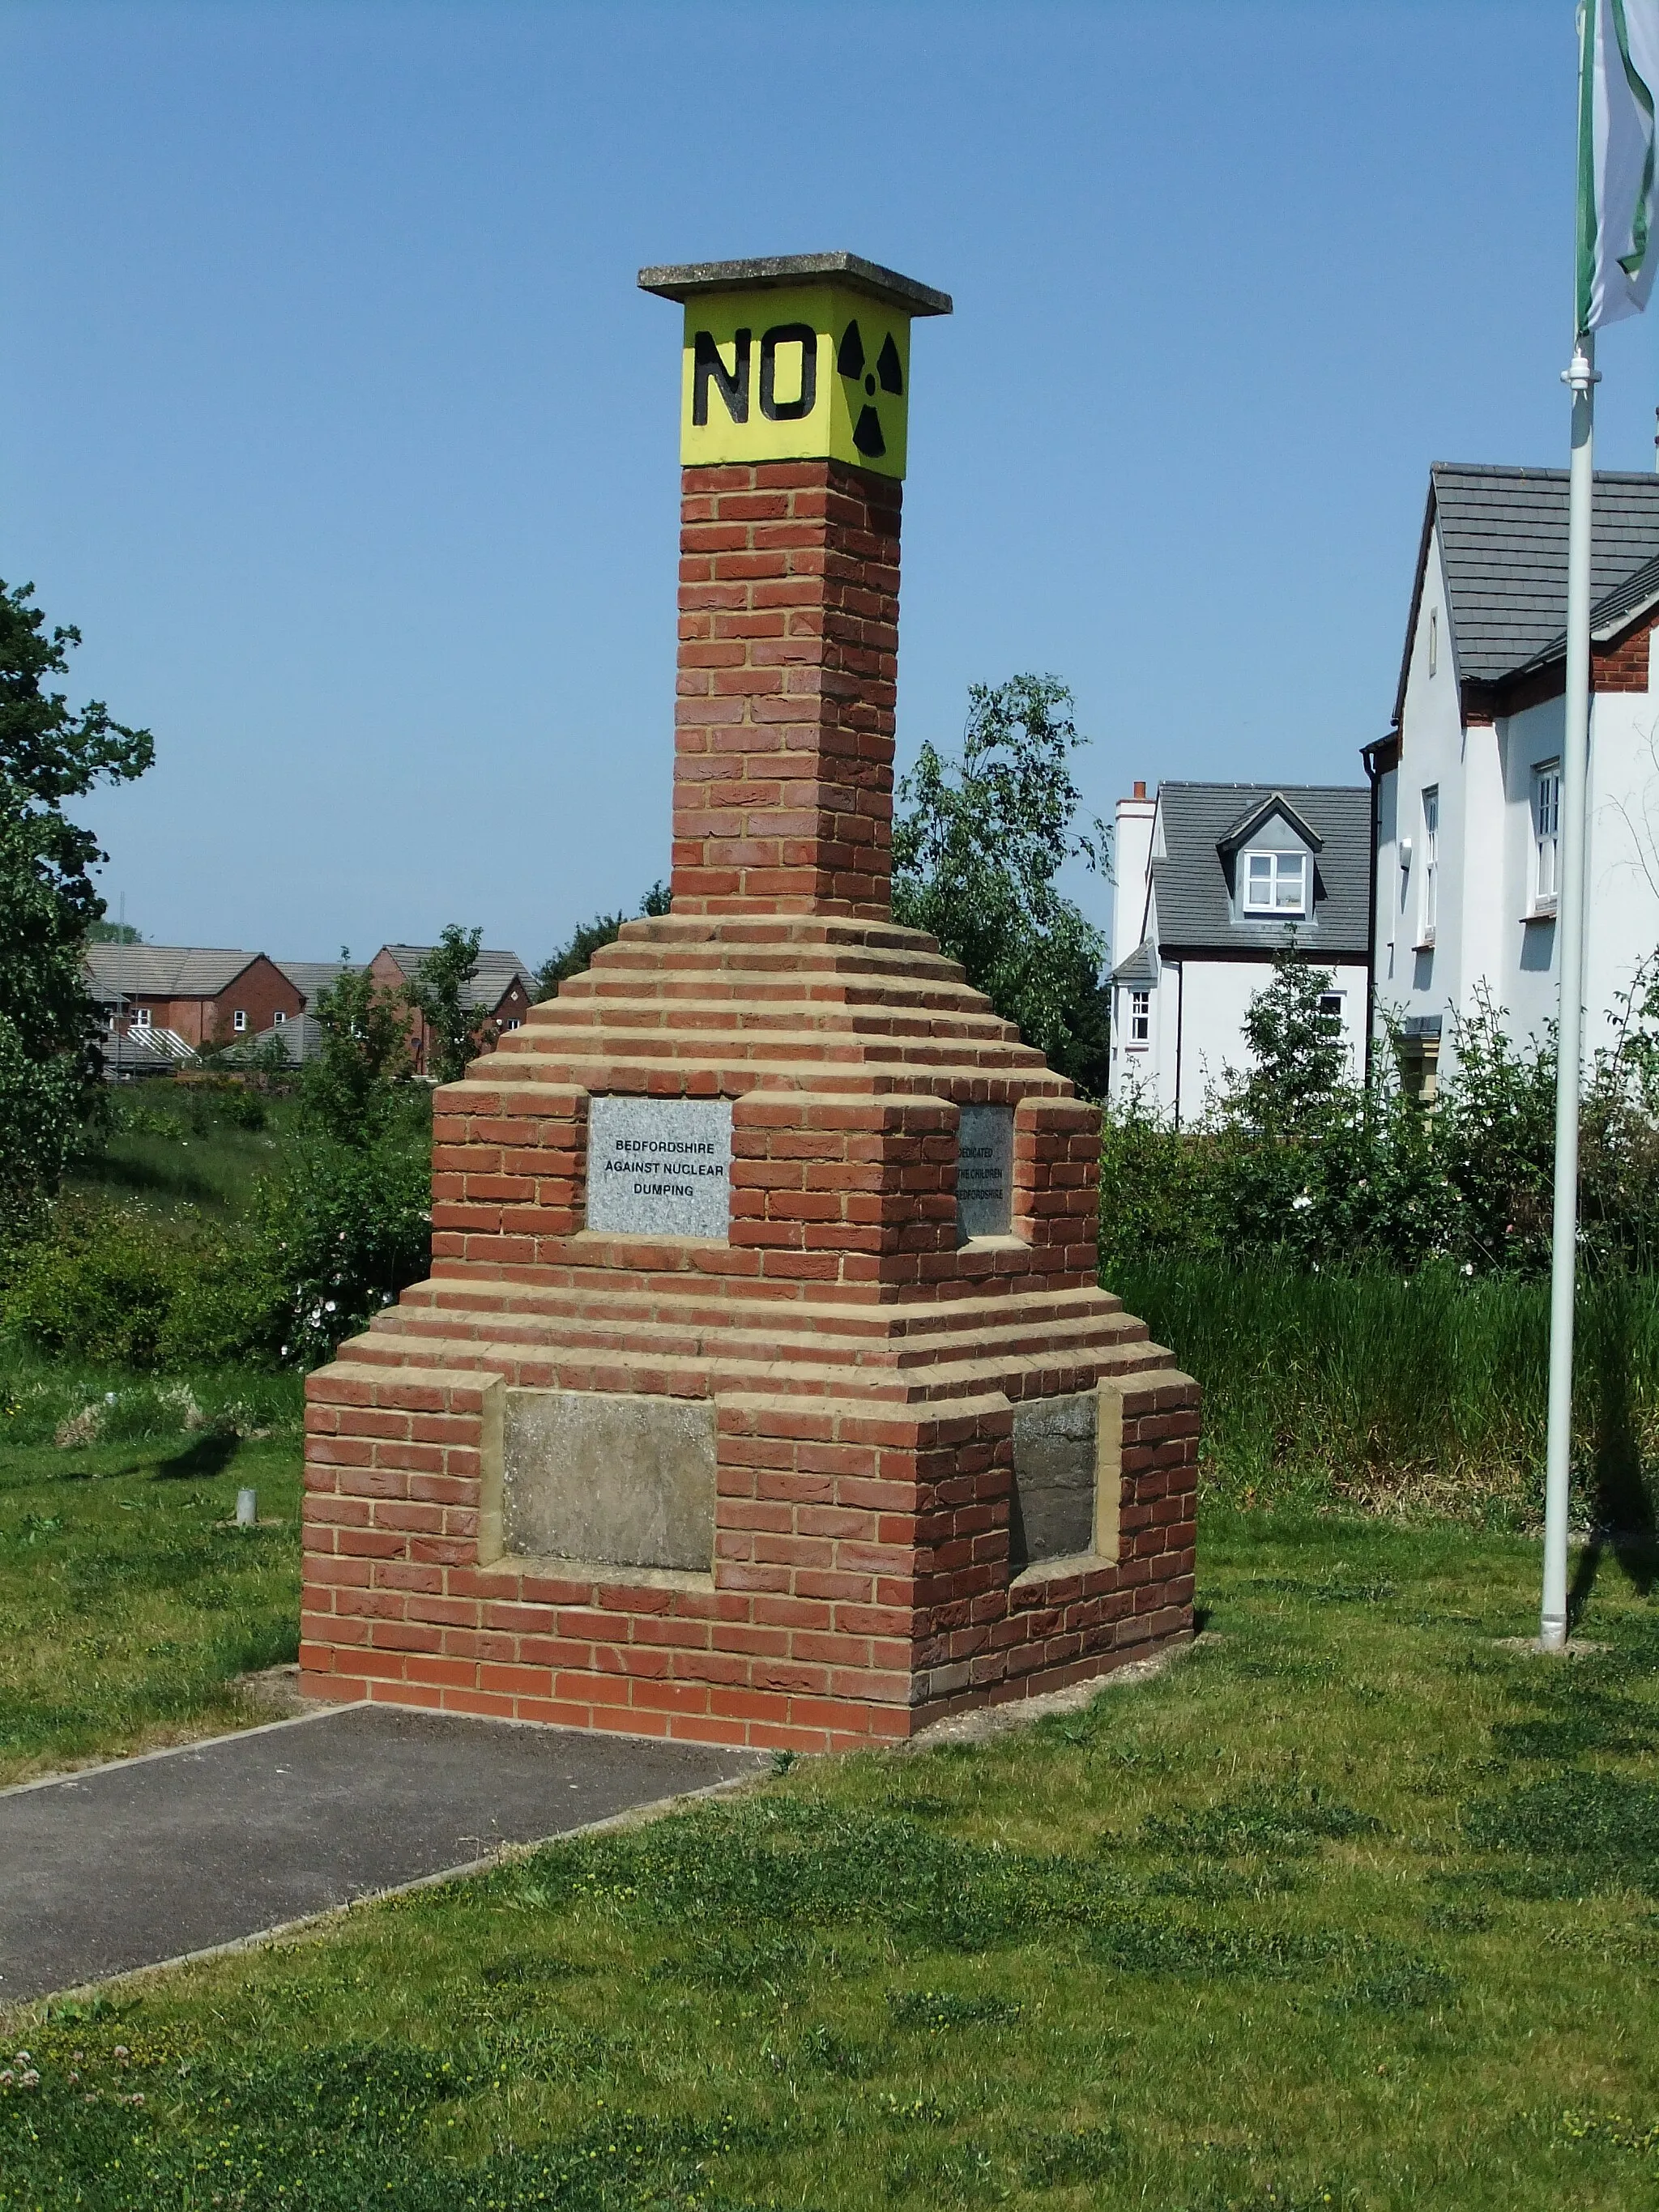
(985, 1172)
(660, 1167)
(624, 1481)
(1053, 1511)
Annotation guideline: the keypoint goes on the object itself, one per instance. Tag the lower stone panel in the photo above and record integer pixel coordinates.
(862, 1580)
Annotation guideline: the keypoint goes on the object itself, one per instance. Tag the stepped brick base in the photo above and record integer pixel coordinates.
(866, 1370)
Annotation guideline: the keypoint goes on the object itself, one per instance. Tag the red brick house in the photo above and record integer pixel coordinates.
(500, 991)
(203, 996)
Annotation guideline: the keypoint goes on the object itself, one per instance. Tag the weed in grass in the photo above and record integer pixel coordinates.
(1137, 1945)
(962, 2173)
(785, 1862)
(1070, 2155)
(936, 2010)
(1209, 1884)
(1616, 2130)
(1459, 1919)
(732, 1963)
(1335, 1591)
(1570, 1736)
(822, 2051)
(1579, 1831)
(1285, 1824)
(516, 1969)
(1398, 1984)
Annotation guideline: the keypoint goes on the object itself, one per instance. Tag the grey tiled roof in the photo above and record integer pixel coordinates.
(301, 1038)
(1609, 616)
(163, 971)
(489, 981)
(1137, 969)
(1194, 913)
(310, 977)
(1503, 539)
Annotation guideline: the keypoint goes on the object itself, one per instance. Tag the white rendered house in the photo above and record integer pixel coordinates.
(1468, 782)
(1213, 880)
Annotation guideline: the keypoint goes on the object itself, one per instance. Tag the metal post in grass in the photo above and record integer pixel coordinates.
(1569, 948)
(1617, 243)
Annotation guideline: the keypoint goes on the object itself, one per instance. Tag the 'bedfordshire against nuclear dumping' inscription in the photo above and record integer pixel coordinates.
(660, 1167)
(985, 1172)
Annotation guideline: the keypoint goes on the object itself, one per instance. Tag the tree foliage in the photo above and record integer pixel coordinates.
(459, 1032)
(348, 1088)
(50, 755)
(978, 846)
(576, 954)
(1298, 1060)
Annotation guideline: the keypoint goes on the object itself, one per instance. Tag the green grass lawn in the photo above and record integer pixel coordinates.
(128, 1606)
(1355, 1905)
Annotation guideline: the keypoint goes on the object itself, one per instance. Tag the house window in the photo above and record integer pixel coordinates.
(1546, 832)
(141, 1018)
(1330, 1002)
(1431, 894)
(278, 1017)
(1140, 1017)
(514, 1024)
(1434, 639)
(1276, 883)
(239, 1021)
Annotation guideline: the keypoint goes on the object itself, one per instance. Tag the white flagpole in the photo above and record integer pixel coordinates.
(1581, 378)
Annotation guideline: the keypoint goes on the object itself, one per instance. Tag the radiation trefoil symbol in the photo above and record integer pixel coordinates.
(888, 374)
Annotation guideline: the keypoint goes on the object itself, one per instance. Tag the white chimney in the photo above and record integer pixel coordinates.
(1131, 859)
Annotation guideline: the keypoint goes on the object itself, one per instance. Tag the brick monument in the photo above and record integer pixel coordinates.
(762, 1391)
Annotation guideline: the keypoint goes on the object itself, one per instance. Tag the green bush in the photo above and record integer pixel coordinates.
(329, 1242)
(110, 1283)
(1292, 1159)
(339, 1235)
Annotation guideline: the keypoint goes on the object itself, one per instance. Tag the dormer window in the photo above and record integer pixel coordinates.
(1276, 883)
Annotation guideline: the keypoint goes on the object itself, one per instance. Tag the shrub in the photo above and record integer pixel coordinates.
(113, 1284)
(339, 1235)
(329, 1242)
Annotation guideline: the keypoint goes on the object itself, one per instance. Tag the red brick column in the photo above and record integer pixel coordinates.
(783, 755)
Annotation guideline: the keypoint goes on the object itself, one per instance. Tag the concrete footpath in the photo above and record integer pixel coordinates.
(150, 1859)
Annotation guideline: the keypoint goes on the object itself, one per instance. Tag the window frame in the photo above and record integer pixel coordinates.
(1275, 908)
(1428, 894)
(1546, 839)
(239, 1022)
(142, 1018)
(1140, 1027)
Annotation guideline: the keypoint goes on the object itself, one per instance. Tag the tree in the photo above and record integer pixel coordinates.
(573, 957)
(113, 932)
(976, 858)
(49, 755)
(459, 1031)
(365, 1051)
(1298, 1062)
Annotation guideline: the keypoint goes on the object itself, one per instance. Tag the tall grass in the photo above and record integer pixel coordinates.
(1423, 1392)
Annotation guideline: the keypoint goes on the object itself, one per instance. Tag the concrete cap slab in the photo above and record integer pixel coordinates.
(686, 279)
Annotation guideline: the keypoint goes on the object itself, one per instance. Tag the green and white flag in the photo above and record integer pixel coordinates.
(1618, 217)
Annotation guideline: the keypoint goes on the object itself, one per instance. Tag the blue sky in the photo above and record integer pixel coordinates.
(333, 417)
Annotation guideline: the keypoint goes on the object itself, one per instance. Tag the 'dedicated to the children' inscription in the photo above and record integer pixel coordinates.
(985, 1172)
(660, 1167)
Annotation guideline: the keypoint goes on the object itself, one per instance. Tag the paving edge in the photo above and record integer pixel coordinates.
(56, 1781)
(320, 1924)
